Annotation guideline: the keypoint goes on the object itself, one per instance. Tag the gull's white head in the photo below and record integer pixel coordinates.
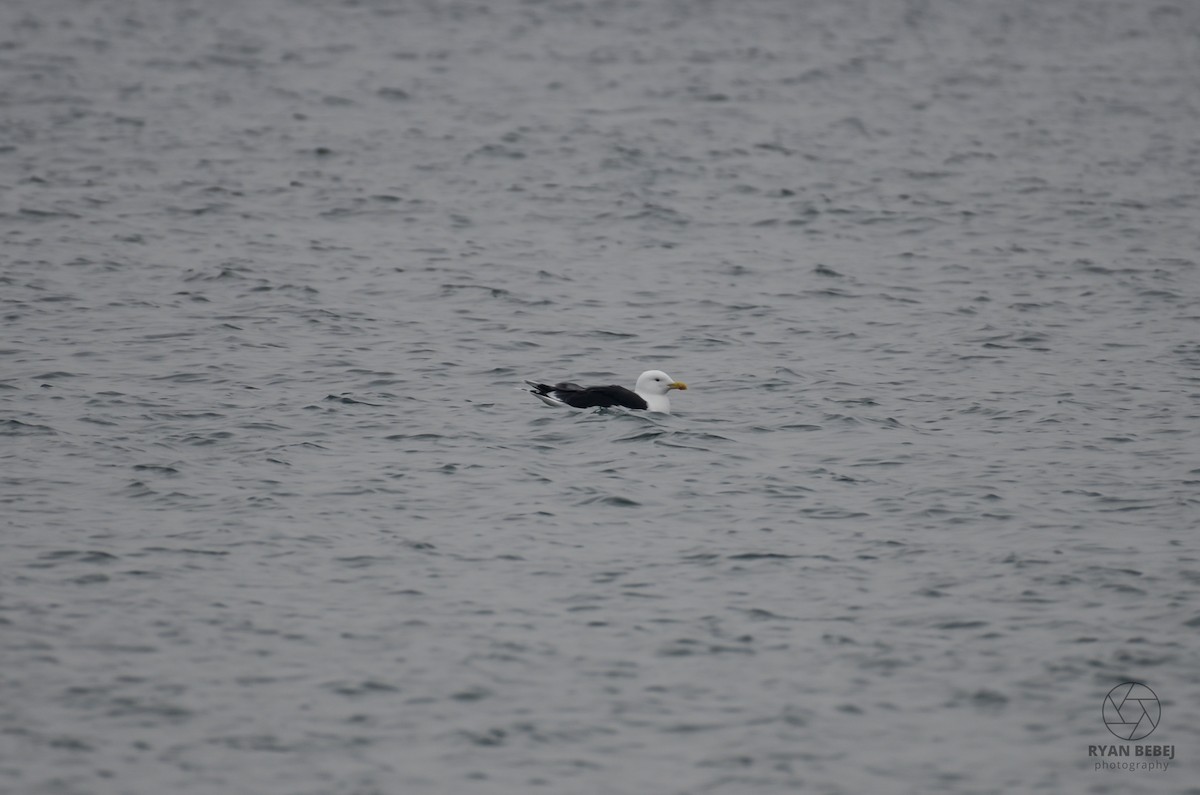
(653, 386)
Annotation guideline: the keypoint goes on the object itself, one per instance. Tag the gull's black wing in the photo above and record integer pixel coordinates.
(599, 397)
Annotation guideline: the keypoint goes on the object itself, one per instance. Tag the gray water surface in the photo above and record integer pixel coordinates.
(277, 517)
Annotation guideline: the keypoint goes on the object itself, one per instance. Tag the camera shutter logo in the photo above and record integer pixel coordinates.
(1131, 711)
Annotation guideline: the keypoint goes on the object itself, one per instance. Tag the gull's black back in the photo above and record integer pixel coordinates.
(588, 397)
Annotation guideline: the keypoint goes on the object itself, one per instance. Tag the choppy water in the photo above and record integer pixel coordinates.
(276, 518)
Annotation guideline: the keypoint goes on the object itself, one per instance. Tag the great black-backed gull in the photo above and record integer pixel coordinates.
(648, 394)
